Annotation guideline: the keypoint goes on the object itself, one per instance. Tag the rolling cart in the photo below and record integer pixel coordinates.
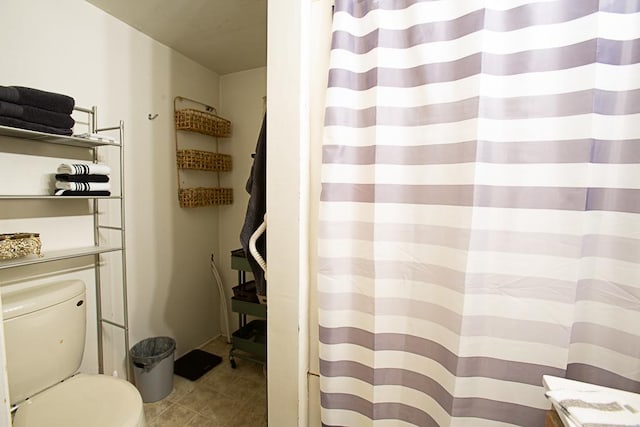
(249, 341)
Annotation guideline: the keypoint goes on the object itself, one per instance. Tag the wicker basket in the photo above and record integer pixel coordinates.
(201, 196)
(203, 160)
(17, 245)
(202, 122)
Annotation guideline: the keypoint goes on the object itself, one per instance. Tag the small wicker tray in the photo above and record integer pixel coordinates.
(202, 122)
(17, 245)
(204, 196)
(204, 160)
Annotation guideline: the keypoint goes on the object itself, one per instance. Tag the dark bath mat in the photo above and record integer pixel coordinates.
(195, 364)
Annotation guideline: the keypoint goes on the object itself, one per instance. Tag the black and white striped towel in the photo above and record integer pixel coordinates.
(69, 193)
(84, 169)
(82, 178)
(83, 186)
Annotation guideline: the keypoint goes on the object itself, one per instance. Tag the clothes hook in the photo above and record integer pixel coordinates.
(152, 116)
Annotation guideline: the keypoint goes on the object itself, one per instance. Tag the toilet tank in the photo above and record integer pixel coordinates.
(44, 329)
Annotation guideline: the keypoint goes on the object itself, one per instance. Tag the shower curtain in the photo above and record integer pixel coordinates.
(480, 208)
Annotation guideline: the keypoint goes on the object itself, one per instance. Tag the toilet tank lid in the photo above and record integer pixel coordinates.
(23, 301)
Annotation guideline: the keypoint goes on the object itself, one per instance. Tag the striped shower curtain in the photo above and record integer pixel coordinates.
(480, 208)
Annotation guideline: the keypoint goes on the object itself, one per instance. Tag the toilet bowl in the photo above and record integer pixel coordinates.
(82, 401)
(44, 336)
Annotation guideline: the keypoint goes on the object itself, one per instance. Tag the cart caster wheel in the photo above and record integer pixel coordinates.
(233, 364)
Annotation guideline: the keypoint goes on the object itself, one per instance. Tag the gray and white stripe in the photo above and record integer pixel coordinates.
(479, 216)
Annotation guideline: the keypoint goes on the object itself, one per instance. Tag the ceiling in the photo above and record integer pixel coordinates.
(225, 36)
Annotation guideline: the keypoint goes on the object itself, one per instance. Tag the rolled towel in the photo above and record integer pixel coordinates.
(37, 98)
(36, 115)
(84, 169)
(82, 193)
(83, 186)
(23, 124)
(81, 178)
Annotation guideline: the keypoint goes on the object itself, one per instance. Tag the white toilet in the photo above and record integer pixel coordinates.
(44, 334)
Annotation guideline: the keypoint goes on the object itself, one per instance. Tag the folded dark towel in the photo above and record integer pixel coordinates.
(22, 124)
(37, 98)
(81, 178)
(82, 193)
(36, 115)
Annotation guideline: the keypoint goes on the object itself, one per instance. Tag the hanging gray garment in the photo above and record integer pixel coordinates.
(256, 208)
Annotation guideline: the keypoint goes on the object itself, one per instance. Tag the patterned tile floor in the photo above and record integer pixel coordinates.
(223, 397)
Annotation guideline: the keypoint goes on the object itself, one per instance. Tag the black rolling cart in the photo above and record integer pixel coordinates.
(249, 341)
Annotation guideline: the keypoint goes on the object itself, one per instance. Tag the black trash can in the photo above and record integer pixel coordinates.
(152, 360)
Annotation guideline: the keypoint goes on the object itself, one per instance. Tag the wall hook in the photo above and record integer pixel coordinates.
(152, 116)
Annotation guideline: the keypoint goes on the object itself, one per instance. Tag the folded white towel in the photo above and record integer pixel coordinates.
(84, 169)
(596, 408)
(83, 186)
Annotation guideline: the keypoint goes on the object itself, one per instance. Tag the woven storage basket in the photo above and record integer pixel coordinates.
(202, 122)
(203, 160)
(201, 196)
(17, 245)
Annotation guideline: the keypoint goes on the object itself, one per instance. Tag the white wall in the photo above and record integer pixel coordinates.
(71, 47)
(321, 40)
(288, 53)
(241, 101)
(297, 62)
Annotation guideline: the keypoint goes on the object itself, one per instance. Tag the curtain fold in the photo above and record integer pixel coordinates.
(479, 215)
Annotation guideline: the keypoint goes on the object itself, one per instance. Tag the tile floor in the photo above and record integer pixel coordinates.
(223, 397)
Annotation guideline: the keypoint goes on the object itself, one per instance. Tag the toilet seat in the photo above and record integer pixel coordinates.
(81, 401)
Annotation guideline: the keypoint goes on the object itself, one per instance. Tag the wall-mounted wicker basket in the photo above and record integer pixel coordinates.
(17, 245)
(204, 160)
(204, 196)
(202, 122)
